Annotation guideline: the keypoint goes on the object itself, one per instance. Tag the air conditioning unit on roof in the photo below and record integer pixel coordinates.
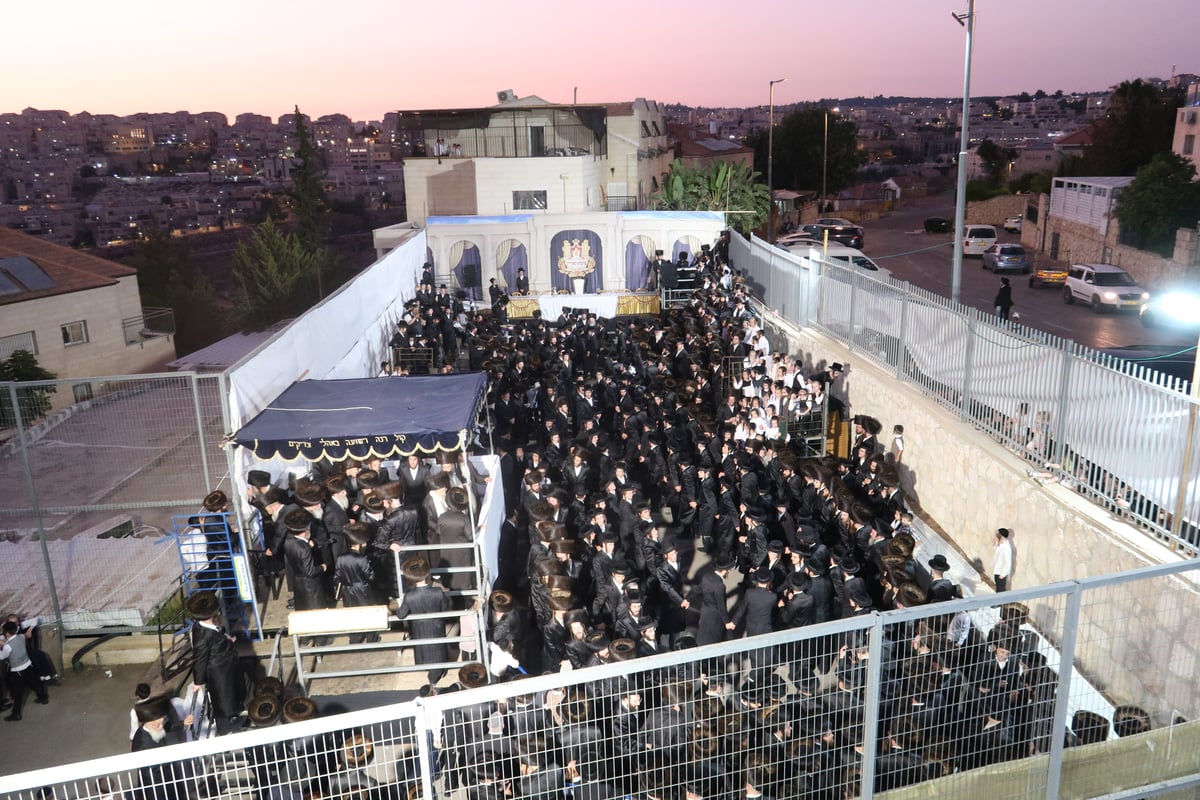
(505, 96)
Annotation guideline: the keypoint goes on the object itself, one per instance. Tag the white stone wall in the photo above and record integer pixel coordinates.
(1139, 642)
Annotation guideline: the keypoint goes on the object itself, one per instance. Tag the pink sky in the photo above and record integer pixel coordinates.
(366, 58)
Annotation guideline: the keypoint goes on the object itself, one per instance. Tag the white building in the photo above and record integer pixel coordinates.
(530, 155)
(80, 315)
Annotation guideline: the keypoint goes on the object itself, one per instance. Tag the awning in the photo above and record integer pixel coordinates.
(369, 417)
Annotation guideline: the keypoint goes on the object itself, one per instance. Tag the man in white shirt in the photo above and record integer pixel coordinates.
(1002, 561)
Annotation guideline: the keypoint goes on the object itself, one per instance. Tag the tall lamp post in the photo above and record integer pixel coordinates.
(960, 198)
(825, 161)
(771, 162)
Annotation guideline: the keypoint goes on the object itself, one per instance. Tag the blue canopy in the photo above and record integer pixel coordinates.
(367, 417)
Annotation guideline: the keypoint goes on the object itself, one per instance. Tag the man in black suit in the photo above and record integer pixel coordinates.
(424, 598)
(756, 612)
(215, 664)
(714, 612)
(303, 567)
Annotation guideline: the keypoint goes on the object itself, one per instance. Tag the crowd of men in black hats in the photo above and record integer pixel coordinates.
(626, 447)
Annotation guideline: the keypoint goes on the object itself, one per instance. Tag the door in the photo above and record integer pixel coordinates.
(537, 141)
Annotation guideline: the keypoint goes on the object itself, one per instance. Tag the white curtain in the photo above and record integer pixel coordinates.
(502, 252)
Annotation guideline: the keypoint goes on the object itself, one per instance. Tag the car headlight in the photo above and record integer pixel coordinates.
(1109, 295)
(1145, 296)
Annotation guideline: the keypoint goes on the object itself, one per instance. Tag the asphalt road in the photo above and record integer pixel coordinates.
(898, 242)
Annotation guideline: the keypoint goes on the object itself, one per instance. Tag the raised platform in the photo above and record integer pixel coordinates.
(602, 305)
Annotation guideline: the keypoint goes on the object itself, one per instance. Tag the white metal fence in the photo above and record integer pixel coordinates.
(1036, 701)
(1115, 431)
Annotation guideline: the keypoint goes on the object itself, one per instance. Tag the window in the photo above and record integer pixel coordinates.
(18, 341)
(1189, 144)
(75, 333)
(529, 200)
(82, 391)
(645, 129)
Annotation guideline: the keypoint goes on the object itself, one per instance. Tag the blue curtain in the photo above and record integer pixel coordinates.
(637, 266)
(560, 281)
(518, 258)
(682, 246)
(467, 272)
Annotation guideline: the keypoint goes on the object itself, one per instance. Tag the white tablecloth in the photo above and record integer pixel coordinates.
(603, 305)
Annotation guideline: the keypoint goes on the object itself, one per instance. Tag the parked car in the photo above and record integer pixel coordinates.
(1047, 273)
(1178, 307)
(1013, 224)
(939, 225)
(1104, 287)
(1006, 258)
(842, 231)
(798, 240)
(978, 238)
(856, 258)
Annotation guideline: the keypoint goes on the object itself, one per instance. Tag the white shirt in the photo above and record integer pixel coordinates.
(1002, 560)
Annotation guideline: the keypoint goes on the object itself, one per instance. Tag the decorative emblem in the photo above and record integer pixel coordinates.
(576, 260)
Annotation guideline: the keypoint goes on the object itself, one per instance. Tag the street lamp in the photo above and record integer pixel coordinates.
(771, 162)
(825, 161)
(960, 200)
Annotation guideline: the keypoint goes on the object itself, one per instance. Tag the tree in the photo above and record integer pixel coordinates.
(800, 154)
(1140, 123)
(167, 278)
(995, 160)
(719, 186)
(308, 200)
(1162, 198)
(276, 272)
(33, 401)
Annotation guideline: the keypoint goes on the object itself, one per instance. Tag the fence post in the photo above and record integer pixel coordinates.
(200, 434)
(424, 734)
(1062, 696)
(1057, 449)
(968, 362)
(903, 343)
(36, 506)
(853, 304)
(871, 707)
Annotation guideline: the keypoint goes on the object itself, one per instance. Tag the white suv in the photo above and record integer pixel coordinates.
(1104, 287)
(977, 239)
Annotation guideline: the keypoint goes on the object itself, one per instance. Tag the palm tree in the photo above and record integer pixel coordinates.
(717, 186)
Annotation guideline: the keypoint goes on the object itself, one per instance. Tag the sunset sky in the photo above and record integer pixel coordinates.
(369, 57)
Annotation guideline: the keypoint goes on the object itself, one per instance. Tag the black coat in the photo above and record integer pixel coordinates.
(215, 665)
(356, 575)
(713, 611)
(756, 611)
(426, 600)
(308, 590)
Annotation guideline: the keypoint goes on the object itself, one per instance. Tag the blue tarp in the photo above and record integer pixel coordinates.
(507, 218)
(365, 417)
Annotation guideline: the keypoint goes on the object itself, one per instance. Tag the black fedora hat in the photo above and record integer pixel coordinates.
(203, 605)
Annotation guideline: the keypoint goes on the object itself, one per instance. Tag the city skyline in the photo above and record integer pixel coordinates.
(377, 57)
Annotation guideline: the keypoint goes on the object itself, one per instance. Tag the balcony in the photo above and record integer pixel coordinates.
(154, 323)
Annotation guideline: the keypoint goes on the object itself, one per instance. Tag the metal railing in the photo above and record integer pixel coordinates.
(1115, 431)
(1040, 699)
(150, 324)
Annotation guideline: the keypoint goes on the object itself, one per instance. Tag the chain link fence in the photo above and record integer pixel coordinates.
(93, 489)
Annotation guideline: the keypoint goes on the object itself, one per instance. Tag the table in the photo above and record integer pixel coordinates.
(602, 305)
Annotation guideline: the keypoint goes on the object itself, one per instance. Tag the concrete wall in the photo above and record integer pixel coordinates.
(1138, 646)
(995, 210)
